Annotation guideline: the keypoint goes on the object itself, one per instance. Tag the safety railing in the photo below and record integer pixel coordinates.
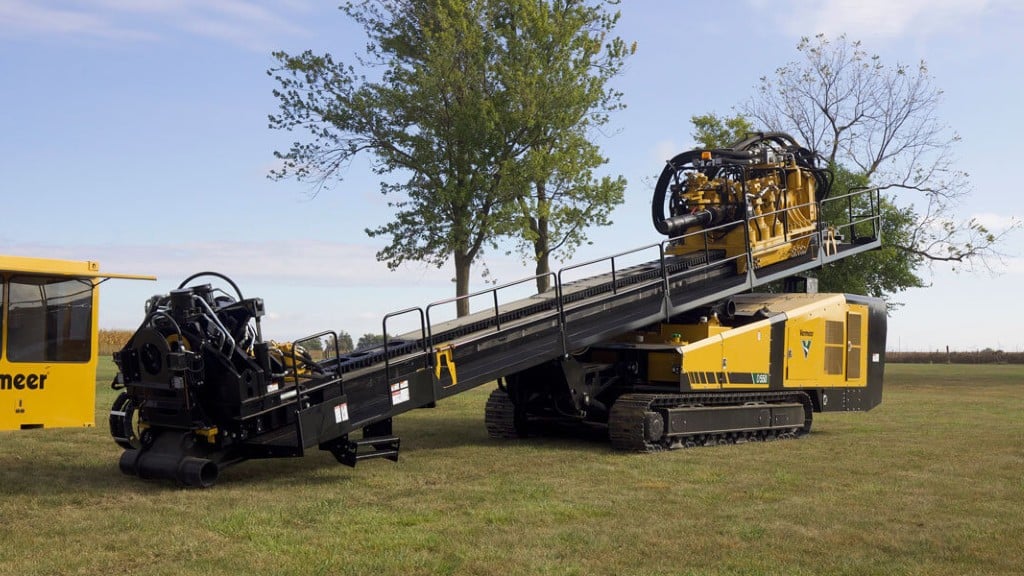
(297, 361)
(863, 210)
(423, 343)
(494, 320)
(615, 278)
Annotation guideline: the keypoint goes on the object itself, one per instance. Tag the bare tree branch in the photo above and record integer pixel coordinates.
(883, 122)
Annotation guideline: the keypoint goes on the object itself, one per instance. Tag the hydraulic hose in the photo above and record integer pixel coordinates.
(675, 225)
(741, 152)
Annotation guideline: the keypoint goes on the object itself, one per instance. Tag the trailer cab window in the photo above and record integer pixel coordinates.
(49, 319)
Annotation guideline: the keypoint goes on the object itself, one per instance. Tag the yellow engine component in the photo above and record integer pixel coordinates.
(761, 195)
(295, 359)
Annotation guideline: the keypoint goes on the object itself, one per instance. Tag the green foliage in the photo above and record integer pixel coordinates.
(345, 342)
(880, 273)
(563, 199)
(712, 131)
(557, 64)
(468, 92)
(368, 340)
(312, 344)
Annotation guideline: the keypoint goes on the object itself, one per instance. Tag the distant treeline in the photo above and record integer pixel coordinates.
(986, 356)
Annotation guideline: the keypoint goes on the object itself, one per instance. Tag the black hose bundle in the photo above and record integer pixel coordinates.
(755, 149)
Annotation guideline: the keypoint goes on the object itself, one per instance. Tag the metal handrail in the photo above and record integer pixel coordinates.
(873, 195)
(603, 259)
(428, 328)
(493, 291)
(424, 336)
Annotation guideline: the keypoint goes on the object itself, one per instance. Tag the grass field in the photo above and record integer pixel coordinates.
(931, 482)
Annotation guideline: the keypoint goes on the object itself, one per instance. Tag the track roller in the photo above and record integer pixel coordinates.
(651, 422)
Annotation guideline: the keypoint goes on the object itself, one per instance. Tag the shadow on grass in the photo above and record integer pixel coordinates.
(458, 432)
(52, 475)
(93, 471)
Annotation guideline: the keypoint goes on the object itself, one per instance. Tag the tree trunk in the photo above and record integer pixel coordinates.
(463, 264)
(541, 248)
(543, 274)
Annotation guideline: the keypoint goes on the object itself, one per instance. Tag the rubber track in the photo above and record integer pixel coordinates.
(627, 417)
(499, 416)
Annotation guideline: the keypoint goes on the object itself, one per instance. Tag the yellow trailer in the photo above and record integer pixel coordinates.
(48, 341)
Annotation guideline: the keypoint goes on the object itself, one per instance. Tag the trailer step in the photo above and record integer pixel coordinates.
(352, 451)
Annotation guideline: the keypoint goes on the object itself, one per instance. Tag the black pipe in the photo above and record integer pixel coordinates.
(677, 225)
(661, 223)
(186, 470)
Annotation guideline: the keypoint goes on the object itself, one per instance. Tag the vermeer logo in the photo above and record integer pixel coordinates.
(807, 347)
(22, 381)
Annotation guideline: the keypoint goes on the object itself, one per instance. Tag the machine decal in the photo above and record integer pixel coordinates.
(399, 392)
(22, 381)
(341, 413)
(807, 347)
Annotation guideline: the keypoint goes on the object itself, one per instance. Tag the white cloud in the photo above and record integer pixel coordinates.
(297, 262)
(996, 223)
(18, 17)
(862, 19)
(244, 23)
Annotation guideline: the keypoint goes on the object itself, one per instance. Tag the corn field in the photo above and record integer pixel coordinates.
(112, 340)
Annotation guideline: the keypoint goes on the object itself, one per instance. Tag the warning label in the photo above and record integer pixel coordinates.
(399, 392)
(341, 413)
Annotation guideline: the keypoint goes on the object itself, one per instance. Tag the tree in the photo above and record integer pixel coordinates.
(345, 342)
(880, 121)
(557, 66)
(315, 344)
(445, 118)
(563, 198)
(878, 272)
(711, 131)
(882, 272)
(368, 340)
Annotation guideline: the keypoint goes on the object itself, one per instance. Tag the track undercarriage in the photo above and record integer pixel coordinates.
(650, 422)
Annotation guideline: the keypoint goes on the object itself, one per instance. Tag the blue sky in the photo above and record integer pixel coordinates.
(134, 133)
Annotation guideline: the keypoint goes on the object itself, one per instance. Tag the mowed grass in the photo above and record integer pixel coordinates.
(931, 482)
